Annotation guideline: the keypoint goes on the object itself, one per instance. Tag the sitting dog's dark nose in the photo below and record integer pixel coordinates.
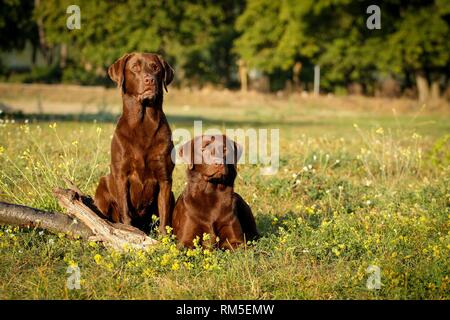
(223, 169)
(149, 80)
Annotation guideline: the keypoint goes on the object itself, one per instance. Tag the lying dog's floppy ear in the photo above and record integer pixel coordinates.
(237, 151)
(234, 151)
(168, 72)
(116, 71)
(192, 151)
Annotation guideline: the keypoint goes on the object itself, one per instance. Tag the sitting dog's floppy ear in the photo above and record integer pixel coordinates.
(186, 153)
(168, 72)
(117, 69)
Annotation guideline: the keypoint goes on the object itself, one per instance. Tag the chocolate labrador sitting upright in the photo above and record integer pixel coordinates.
(209, 204)
(140, 179)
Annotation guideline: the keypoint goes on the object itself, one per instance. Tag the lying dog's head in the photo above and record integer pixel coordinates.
(213, 157)
(141, 75)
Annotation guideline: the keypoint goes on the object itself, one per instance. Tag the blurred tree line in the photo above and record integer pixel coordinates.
(225, 41)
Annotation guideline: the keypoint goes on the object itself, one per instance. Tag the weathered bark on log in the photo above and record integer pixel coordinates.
(18, 215)
(115, 235)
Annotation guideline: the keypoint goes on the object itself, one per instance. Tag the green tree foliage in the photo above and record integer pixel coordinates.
(414, 37)
(205, 39)
(420, 39)
(274, 34)
(196, 36)
(16, 24)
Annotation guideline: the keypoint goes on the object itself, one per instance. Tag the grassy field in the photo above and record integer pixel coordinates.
(355, 188)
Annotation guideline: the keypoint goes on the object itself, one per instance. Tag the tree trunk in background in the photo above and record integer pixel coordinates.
(297, 69)
(435, 90)
(243, 75)
(63, 56)
(33, 55)
(316, 80)
(422, 86)
(45, 49)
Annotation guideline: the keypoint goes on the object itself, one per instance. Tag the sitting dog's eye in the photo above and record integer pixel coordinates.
(135, 67)
(154, 67)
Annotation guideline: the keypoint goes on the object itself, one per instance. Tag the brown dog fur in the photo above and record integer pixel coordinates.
(140, 179)
(209, 204)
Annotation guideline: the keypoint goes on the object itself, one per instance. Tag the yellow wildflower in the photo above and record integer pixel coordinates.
(148, 272)
(175, 266)
(191, 253)
(165, 259)
(98, 258)
(196, 241)
(174, 250)
(336, 252)
(93, 244)
(206, 236)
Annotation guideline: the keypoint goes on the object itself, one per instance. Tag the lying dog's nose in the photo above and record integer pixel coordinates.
(217, 161)
(149, 80)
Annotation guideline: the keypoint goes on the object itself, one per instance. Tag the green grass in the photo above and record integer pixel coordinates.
(346, 196)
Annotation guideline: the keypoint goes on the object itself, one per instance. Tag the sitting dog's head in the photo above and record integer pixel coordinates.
(213, 157)
(141, 75)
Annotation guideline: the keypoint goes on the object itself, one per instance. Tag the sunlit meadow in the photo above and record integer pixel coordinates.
(352, 191)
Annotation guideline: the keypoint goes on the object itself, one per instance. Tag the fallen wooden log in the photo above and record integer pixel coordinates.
(115, 235)
(80, 220)
(23, 216)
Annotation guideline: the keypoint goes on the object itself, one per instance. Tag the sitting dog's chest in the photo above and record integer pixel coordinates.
(143, 155)
(153, 162)
(210, 207)
(150, 166)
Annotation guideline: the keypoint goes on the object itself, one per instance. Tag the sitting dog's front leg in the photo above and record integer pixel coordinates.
(122, 200)
(164, 205)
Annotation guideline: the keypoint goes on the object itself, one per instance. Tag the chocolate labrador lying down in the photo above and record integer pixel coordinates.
(140, 180)
(209, 204)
